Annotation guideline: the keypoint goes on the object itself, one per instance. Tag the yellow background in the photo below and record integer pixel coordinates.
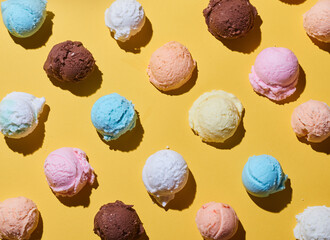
(163, 120)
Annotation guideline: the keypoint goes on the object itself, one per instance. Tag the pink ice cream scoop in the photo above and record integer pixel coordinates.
(216, 221)
(311, 120)
(275, 73)
(67, 171)
(170, 66)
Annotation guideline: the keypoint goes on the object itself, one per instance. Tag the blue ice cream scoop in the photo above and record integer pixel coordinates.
(263, 175)
(23, 18)
(113, 115)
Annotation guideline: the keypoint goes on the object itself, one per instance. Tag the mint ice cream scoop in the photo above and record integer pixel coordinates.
(263, 175)
(113, 115)
(23, 18)
(19, 114)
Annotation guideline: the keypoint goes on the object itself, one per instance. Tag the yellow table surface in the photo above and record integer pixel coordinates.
(163, 120)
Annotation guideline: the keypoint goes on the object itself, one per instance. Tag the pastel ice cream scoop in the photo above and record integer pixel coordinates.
(19, 114)
(165, 173)
(118, 221)
(313, 224)
(23, 18)
(215, 116)
(263, 175)
(19, 217)
(170, 66)
(113, 115)
(311, 120)
(229, 19)
(69, 62)
(216, 221)
(68, 171)
(275, 73)
(317, 21)
(124, 18)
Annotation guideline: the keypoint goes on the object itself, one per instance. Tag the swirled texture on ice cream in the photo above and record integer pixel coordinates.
(23, 18)
(215, 115)
(263, 175)
(19, 114)
(164, 174)
(68, 171)
(19, 217)
(113, 115)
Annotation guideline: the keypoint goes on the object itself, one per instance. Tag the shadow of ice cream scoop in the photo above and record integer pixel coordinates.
(136, 42)
(275, 202)
(240, 233)
(32, 142)
(41, 37)
(37, 233)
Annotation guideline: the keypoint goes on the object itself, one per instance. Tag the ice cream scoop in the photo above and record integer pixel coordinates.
(68, 171)
(311, 120)
(313, 224)
(170, 66)
(229, 18)
(125, 18)
(317, 21)
(216, 221)
(118, 221)
(113, 115)
(19, 114)
(18, 218)
(165, 173)
(275, 73)
(215, 116)
(69, 62)
(263, 175)
(23, 18)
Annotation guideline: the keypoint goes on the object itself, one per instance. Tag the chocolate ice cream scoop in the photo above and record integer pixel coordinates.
(229, 18)
(118, 221)
(69, 62)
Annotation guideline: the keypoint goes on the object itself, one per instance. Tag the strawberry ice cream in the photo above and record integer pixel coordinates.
(275, 73)
(216, 221)
(68, 171)
(311, 120)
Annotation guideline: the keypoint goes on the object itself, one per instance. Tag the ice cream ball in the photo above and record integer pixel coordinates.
(19, 217)
(67, 171)
(275, 73)
(215, 116)
(113, 115)
(311, 120)
(229, 19)
(125, 18)
(23, 18)
(69, 62)
(313, 224)
(164, 174)
(118, 221)
(217, 221)
(170, 66)
(19, 114)
(263, 175)
(317, 21)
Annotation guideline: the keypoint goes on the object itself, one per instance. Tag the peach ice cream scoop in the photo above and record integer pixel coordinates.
(170, 66)
(216, 221)
(68, 171)
(311, 120)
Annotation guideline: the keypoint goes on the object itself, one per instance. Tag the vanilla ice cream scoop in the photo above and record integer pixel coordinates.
(317, 21)
(19, 217)
(313, 224)
(164, 174)
(311, 120)
(215, 116)
(68, 171)
(19, 114)
(125, 18)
